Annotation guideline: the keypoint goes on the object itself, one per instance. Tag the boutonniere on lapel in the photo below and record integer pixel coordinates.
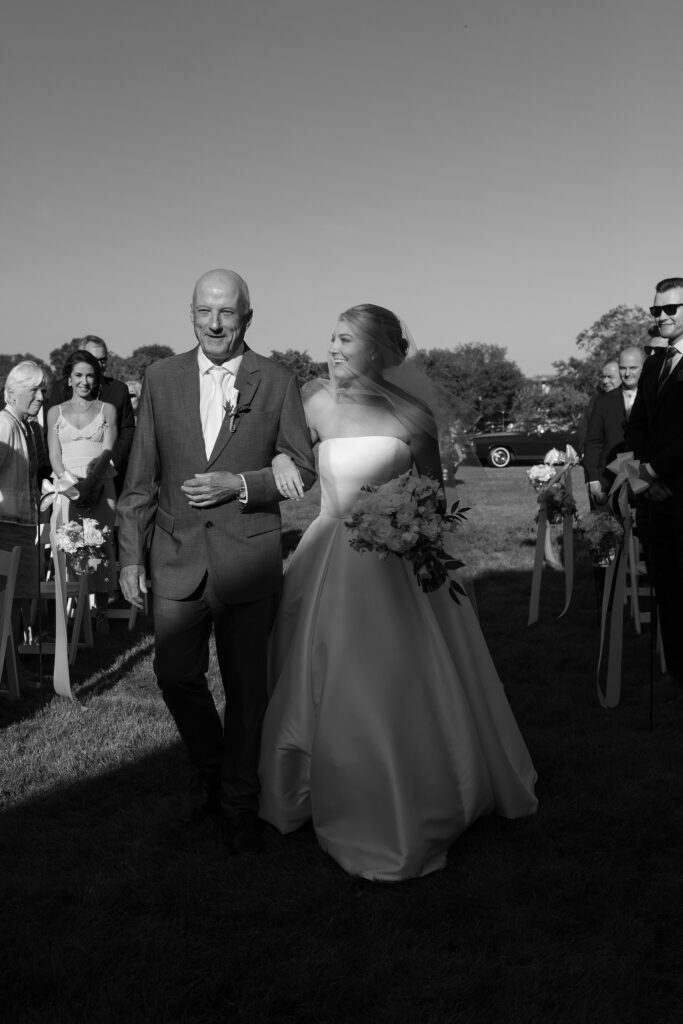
(235, 411)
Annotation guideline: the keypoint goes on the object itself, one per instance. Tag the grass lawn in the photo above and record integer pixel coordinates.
(111, 912)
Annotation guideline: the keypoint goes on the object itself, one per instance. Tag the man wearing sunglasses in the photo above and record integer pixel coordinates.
(655, 433)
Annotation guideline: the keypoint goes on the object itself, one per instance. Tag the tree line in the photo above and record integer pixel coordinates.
(476, 386)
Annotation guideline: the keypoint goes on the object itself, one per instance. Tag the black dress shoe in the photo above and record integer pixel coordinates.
(198, 803)
(245, 832)
(669, 687)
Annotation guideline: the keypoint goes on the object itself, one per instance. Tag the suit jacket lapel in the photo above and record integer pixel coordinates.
(186, 395)
(246, 383)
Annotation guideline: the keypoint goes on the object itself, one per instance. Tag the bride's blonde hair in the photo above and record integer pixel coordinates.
(381, 330)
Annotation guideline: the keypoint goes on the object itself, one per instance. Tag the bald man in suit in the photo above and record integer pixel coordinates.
(200, 496)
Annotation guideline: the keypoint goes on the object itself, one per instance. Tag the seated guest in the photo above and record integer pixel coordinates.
(19, 499)
(607, 424)
(113, 392)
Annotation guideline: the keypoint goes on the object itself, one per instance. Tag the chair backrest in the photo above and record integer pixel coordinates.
(9, 567)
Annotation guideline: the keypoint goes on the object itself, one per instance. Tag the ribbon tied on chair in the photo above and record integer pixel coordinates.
(569, 459)
(627, 479)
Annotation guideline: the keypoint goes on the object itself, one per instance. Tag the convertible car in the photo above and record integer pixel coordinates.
(507, 447)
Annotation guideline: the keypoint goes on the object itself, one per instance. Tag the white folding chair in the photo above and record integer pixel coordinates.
(638, 588)
(9, 567)
(77, 602)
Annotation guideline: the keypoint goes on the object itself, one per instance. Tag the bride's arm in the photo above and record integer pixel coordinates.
(287, 477)
(425, 449)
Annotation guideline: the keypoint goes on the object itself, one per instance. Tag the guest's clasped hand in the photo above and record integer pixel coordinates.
(204, 490)
(657, 489)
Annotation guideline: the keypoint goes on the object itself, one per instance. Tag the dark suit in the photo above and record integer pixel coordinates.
(655, 433)
(221, 564)
(605, 436)
(116, 393)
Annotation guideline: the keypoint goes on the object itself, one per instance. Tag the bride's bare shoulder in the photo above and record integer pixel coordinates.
(315, 394)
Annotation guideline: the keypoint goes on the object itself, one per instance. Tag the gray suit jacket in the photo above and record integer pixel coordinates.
(238, 544)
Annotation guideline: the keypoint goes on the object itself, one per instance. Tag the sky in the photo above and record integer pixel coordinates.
(496, 171)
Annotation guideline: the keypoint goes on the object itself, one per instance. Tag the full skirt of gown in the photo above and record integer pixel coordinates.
(387, 722)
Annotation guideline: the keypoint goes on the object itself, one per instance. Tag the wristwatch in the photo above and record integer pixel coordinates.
(242, 493)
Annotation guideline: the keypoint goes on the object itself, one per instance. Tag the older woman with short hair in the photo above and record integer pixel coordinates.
(25, 389)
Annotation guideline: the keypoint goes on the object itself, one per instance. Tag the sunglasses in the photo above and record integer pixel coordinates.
(671, 308)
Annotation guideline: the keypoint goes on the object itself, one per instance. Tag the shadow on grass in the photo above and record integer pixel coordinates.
(115, 913)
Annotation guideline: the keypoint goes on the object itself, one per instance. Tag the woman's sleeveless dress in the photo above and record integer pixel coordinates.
(80, 445)
(387, 724)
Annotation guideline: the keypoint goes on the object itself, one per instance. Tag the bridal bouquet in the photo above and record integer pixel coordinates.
(402, 517)
(83, 540)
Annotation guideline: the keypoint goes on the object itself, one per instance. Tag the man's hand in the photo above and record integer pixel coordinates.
(658, 491)
(205, 490)
(133, 583)
(597, 493)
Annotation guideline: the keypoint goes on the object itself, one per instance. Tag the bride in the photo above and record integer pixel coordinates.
(387, 722)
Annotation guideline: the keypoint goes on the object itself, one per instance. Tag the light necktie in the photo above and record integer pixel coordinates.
(665, 373)
(221, 379)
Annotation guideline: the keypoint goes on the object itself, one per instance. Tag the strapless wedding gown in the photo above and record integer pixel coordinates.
(387, 724)
(80, 446)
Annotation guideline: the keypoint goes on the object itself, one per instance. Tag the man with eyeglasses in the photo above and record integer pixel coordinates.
(655, 433)
(607, 424)
(116, 393)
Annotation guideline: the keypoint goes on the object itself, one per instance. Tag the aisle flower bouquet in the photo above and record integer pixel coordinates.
(403, 517)
(603, 533)
(540, 475)
(83, 540)
(557, 501)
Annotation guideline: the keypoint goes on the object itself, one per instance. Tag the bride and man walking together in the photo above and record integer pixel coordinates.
(351, 697)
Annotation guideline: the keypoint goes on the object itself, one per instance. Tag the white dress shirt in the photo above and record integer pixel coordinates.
(208, 396)
(207, 391)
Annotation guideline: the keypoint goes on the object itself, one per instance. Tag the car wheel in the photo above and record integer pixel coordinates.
(500, 457)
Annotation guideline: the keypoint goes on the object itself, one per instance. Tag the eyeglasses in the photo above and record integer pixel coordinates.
(670, 308)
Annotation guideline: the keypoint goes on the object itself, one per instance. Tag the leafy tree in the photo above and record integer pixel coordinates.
(617, 329)
(301, 364)
(59, 356)
(131, 367)
(135, 366)
(478, 383)
(555, 405)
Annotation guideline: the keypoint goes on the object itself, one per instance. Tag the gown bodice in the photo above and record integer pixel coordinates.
(346, 464)
(80, 445)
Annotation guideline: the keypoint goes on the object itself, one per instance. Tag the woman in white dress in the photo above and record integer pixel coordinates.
(81, 434)
(387, 724)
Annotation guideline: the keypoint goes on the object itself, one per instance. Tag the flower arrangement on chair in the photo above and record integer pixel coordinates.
(603, 534)
(83, 540)
(557, 502)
